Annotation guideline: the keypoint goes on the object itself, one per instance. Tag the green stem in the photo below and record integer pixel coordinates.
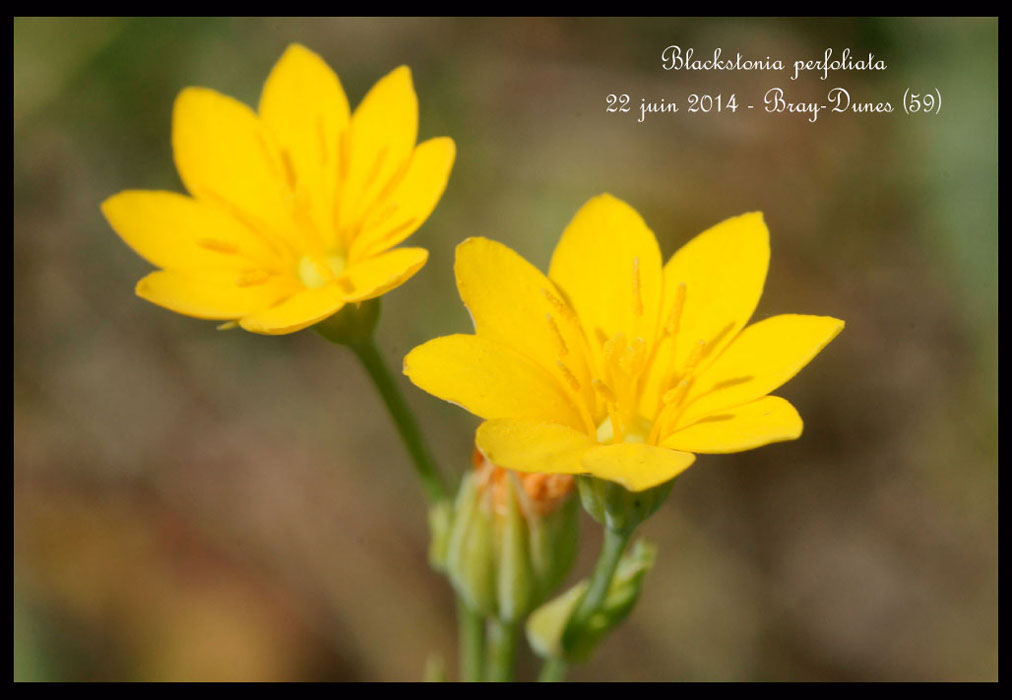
(600, 581)
(470, 642)
(502, 649)
(425, 466)
(354, 327)
(553, 671)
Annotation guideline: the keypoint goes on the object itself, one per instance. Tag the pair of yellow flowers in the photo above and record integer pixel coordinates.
(614, 364)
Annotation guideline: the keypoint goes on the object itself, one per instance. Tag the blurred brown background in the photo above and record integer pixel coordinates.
(195, 504)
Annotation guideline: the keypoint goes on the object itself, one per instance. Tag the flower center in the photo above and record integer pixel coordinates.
(317, 270)
(636, 430)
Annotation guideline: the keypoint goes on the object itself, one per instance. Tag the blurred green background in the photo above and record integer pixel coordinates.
(193, 504)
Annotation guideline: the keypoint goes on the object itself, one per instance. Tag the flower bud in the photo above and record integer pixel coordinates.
(616, 507)
(440, 520)
(511, 539)
(547, 625)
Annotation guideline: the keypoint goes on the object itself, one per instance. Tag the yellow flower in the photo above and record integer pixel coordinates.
(294, 209)
(614, 365)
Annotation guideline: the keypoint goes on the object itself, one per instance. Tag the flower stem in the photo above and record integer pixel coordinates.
(370, 357)
(470, 642)
(553, 671)
(354, 327)
(502, 649)
(600, 581)
(471, 633)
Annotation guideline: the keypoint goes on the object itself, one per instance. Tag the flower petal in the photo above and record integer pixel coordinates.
(758, 423)
(609, 265)
(376, 276)
(488, 379)
(723, 271)
(510, 302)
(635, 465)
(763, 356)
(212, 294)
(411, 200)
(532, 446)
(711, 287)
(305, 107)
(382, 134)
(177, 232)
(301, 310)
(224, 153)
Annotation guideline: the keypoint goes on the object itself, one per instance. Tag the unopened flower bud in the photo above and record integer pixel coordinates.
(511, 539)
(546, 627)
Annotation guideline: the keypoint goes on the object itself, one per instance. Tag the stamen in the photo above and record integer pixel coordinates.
(558, 304)
(577, 397)
(571, 379)
(675, 318)
(612, 347)
(637, 292)
(252, 278)
(218, 246)
(675, 394)
(695, 355)
(631, 359)
(604, 390)
(702, 349)
(672, 400)
(559, 340)
(602, 339)
(611, 404)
